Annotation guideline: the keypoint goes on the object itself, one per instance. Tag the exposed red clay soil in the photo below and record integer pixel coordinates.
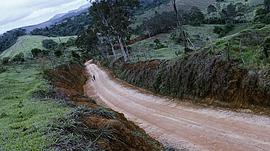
(182, 125)
(69, 82)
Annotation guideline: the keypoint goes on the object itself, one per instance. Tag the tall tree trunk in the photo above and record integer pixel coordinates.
(112, 46)
(176, 13)
(179, 25)
(122, 49)
(106, 52)
(113, 50)
(126, 49)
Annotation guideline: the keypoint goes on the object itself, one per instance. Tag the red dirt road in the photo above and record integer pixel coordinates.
(181, 125)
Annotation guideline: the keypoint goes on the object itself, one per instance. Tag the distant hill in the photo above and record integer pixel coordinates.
(58, 18)
(67, 24)
(70, 26)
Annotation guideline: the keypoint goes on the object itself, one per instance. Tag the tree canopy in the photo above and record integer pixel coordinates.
(9, 38)
(111, 24)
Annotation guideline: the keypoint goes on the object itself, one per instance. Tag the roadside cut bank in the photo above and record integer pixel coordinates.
(202, 77)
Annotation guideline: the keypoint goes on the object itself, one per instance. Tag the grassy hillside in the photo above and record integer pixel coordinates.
(201, 36)
(246, 46)
(26, 43)
(24, 119)
(145, 49)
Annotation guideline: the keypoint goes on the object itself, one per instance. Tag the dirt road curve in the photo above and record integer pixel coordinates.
(179, 125)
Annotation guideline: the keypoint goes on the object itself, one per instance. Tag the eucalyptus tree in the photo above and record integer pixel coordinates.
(112, 19)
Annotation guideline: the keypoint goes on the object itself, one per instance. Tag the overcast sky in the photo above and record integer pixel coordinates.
(19, 13)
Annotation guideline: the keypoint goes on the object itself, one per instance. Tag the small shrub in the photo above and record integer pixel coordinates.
(49, 44)
(158, 44)
(178, 53)
(103, 112)
(36, 52)
(2, 115)
(75, 55)
(218, 30)
(5, 60)
(177, 37)
(100, 111)
(2, 69)
(71, 42)
(58, 53)
(18, 58)
(223, 31)
(211, 9)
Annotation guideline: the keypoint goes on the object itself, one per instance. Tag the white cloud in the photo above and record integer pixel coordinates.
(18, 13)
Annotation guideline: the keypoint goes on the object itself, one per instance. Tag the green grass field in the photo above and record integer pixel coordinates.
(144, 50)
(24, 119)
(26, 43)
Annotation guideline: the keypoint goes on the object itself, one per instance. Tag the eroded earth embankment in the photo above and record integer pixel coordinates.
(200, 77)
(99, 128)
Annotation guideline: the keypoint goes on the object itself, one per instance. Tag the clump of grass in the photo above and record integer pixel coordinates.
(73, 134)
(99, 111)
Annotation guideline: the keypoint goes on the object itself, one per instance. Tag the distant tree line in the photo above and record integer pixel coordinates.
(9, 38)
(69, 27)
(219, 13)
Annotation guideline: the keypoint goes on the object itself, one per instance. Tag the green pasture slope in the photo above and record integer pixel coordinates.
(26, 43)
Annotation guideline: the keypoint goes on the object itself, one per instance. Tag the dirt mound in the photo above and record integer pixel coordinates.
(200, 76)
(93, 127)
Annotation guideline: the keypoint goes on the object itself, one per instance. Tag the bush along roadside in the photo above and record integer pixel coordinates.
(90, 126)
(201, 77)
